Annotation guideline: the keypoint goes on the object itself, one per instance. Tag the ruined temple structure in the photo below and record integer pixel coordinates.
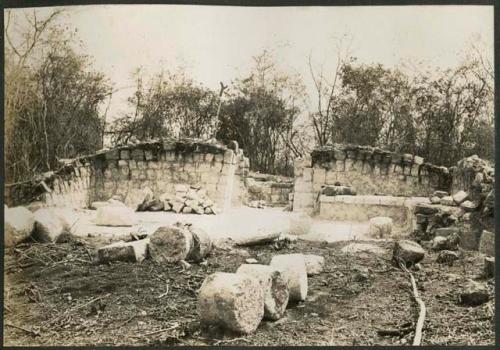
(126, 171)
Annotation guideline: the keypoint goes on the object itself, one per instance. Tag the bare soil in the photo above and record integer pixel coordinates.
(58, 295)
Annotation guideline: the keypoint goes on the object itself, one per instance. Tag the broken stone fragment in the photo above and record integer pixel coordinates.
(446, 243)
(474, 294)
(468, 206)
(116, 216)
(435, 200)
(135, 251)
(460, 196)
(177, 206)
(48, 226)
(487, 243)
(293, 267)
(187, 210)
(407, 251)
(274, 287)
(440, 194)
(232, 301)
(425, 209)
(446, 231)
(380, 227)
(19, 224)
(314, 264)
(169, 244)
(447, 200)
(447, 257)
(489, 267)
(202, 244)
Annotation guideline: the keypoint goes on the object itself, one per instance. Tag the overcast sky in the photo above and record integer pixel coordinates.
(216, 43)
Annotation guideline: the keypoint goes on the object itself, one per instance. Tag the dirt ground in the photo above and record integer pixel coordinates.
(58, 295)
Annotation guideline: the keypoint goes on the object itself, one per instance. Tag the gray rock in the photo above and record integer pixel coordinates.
(18, 225)
(48, 226)
(116, 216)
(448, 200)
(314, 264)
(474, 294)
(468, 206)
(435, 200)
(447, 257)
(460, 196)
(408, 251)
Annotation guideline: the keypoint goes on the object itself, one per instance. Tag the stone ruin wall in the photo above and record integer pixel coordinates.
(369, 170)
(273, 190)
(127, 170)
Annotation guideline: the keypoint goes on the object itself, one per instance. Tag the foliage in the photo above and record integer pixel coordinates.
(52, 100)
(169, 104)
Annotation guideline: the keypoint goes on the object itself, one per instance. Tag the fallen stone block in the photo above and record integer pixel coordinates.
(48, 226)
(489, 267)
(187, 210)
(468, 206)
(435, 200)
(98, 204)
(231, 301)
(135, 251)
(425, 209)
(474, 294)
(202, 244)
(363, 247)
(380, 227)
(169, 244)
(446, 231)
(116, 216)
(440, 194)
(448, 200)
(445, 243)
(258, 239)
(487, 243)
(408, 252)
(314, 264)
(300, 225)
(274, 286)
(18, 225)
(447, 257)
(177, 206)
(293, 266)
(460, 196)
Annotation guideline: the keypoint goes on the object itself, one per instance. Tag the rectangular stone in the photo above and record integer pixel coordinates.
(340, 165)
(153, 164)
(135, 251)
(113, 154)
(125, 154)
(209, 157)
(319, 175)
(307, 174)
(148, 154)
(132, 164)
(122, 163)
(137, 154)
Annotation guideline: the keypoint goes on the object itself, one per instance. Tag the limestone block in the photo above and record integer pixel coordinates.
(231, 301)
(339, 154)
(135, 251)
(116, 216)
(307, 174)
(218, 158)
(153, 164)
(229, 156)
(460, 197)
(489, 266)
(380, 227)
(202, 244)
(302, 200)
(447, 200)
(125, 154)
(19, 223)
(148, 155)
(169, 244)
(314, 264)
(113, 154)
(408, 251)
(340, 165)
(293, 267)
(274, 287)
(150, 174)
(137, 154)
(48, 226)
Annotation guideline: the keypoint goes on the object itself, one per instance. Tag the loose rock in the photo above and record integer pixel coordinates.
(380, 227)
(19, 224)
(474, 294)
(48, 226)
(460, 196)
(232, 301)
(447, 200)
(314, 264)
(408, 251)
(294, 269)
(202, 244)
(489, 267)
(274, 286)
(170, 244)
(487, 243)
(135, 251)
(447, 257)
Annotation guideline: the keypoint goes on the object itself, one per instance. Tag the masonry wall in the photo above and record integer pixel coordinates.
(369, 170)
(129, 169)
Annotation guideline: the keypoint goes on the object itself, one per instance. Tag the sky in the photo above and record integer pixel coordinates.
(216, 43)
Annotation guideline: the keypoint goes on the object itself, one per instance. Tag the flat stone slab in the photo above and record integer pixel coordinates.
(363, 247)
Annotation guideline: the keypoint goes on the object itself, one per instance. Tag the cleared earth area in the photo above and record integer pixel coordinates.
(60, 295)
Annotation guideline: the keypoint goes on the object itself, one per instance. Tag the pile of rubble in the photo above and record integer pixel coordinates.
(187, 199)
